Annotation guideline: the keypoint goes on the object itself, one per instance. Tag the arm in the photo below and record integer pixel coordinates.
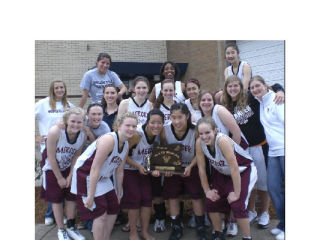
(246, 76)
(227, 150)
(123, 107)
(89, 133)
(84, 98)
(278, 89)
(183, 89)
(133, 141)
(228, 120)
(152, 96)
(226, 73)
(123, 90)
(119, 176)
(187, 170)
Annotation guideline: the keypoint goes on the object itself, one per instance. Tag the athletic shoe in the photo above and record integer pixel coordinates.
(65, 220)
(264, 220)
(232, 229)
(275, 231)
(280, 236)
(176, 232)
(252, 215)
(207, 222)
(218, 236)
(74, 234)
(48, 221)
(159, 226)
(201, 232)
(63, 235)
(192, 222)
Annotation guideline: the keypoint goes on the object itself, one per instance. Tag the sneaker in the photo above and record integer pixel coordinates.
(207, 222)
(48, 221)
(218, 236)
(63, 235)
(65, 220)
(232, 229)
(252, 215)
(192, 222)
(176, 232)
(264, 220)
(159, 226)
(280, 236)
(275, 231)
(74, 234)
(201, 232)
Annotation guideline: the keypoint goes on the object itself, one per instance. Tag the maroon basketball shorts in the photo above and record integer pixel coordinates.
(107, 202)
(53, 193)
(177, 185)
(136, 190)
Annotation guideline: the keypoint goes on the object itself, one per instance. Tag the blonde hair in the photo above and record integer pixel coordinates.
(75, 110)
(52, 96)
(120, 118)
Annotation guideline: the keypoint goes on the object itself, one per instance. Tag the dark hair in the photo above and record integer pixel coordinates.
(94, 105)
(141, 79)
(195, 81)
(103, 101)
(233, 45)
(176, 70)
(155, 111)
(183, 108)
(160, 98)
(103, 55)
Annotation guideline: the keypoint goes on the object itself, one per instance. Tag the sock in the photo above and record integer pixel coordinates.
(160, 211)
(199, 220)
(71, 223)
(247, 238)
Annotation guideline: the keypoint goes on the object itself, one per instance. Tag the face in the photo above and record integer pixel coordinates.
(155, 124)
(233, 89)
(141, 89)
(179, 120)
(168, 91)
(169, 71)
(192, 90)
(206, 102)
(103, 65)
(128, 127)
(59, 90)
(74, 123)
(95, 116)
(232, 55)
(110, 95)
(206, 133)
(258, 89)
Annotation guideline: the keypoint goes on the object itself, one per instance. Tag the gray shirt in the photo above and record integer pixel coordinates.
(97, 132)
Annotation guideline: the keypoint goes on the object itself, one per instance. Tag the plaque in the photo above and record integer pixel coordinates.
(166, 158)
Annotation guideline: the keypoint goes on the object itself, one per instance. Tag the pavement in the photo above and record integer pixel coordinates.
(43, 232)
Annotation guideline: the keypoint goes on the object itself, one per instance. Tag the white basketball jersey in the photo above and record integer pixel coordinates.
(240, 70)
(178, 96)
(166, 111)
(143, 148)
(194, 112)
(82, 167)
(187, 141)
(140, 111)
(218, 161)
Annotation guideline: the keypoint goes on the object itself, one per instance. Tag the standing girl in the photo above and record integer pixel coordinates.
(109, 104)
(48, 111)
(272, 119)
(96, 196)
(62, 150)
(233, 178)
(97, 78)
(193, 90)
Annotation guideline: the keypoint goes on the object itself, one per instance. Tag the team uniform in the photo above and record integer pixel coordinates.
(194, 112)
(105, 196)
(137, 191)
(65, 151)
(94, 82)
(221, 179)
(48, 117)
(166, 111)
(239, 74)
(178, 96)
(140, 111)
(174, 186)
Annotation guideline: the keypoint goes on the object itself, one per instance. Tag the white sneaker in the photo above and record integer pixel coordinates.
(192, 221)
(264, 220)
(252, 215)
(232, 229)
(63, 235)
(74, 234)
(207, 222)
(64, 220)
(159, 226)
(280, 236)
(275, 231)
(48, 221)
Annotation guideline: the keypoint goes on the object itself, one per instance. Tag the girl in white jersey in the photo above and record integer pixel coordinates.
(182, 131)
(137, 197)
(62, 149)
(96, 195)
(233, 178)
(169, 70)
(48, 111)
(193, 90)
(165, 99)
(139, 104)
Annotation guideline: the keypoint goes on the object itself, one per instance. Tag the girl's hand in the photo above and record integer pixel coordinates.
(232, 197)
(168, 174)
(142, 170)
(279, 98)
(62, 182)
(69, 178)
(213, 195)
(89, 202)
(187, 171)
(155, 173)
(40, 139)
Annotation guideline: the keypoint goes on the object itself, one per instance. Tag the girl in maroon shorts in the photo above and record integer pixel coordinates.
(62, 149)
(233, 178)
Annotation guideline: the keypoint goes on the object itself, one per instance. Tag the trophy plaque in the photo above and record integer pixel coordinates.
(165, 158)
